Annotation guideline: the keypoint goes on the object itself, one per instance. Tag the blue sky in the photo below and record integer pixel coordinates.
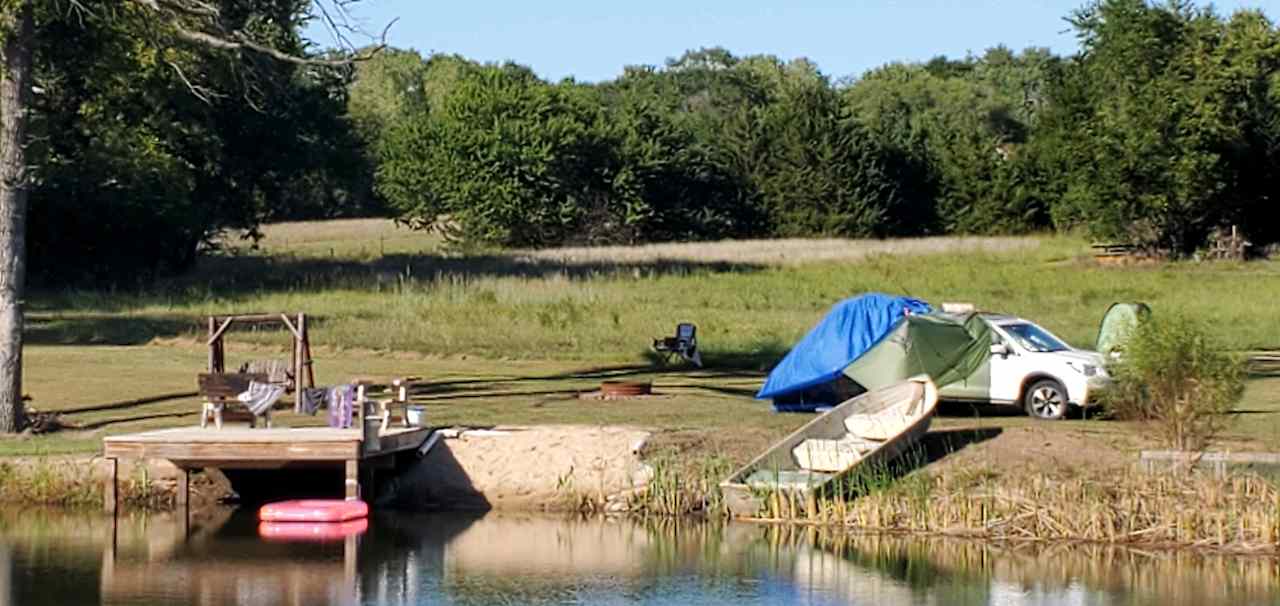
(593, 40)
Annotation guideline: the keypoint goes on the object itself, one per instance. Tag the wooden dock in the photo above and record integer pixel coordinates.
(195, 448)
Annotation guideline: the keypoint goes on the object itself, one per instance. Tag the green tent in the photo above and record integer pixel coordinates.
(1119, 322)
(948, 348)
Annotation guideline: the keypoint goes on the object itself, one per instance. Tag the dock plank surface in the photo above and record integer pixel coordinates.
(266, 446)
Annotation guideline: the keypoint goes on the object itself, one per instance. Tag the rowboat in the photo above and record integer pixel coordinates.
(864, 432)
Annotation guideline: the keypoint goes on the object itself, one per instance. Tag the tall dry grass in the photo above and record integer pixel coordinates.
(1239, 513)
(781, 252)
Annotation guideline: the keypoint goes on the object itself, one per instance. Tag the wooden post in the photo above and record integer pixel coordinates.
(349, 551)
(297, 363)
(110, 488)
(352, 479)
(304, 349)
(311, 368)
(184, 497)
(213, 345)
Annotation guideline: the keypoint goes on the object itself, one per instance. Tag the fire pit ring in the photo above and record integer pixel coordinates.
(625, 389)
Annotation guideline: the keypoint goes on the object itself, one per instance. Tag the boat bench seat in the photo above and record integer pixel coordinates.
(787, 479)
(831, 455)
(876, 427)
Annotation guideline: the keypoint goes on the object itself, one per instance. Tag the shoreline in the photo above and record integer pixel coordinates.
(1238, 514)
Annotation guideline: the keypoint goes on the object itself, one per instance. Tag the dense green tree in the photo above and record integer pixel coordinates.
(135, 171)
(506, 157)
(1163, 128)
(125, 172)
(959, 127)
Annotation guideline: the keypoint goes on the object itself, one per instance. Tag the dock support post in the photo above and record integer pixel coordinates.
(349, 550)
(111, 487)
(353, 479)
(184, 498)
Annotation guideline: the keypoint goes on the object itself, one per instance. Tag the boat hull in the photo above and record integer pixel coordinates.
(746, 497)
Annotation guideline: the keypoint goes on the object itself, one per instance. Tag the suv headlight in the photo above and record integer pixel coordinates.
(1088, 370)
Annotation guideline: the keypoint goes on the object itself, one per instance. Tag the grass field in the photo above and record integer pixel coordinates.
(559, 305)
(511, 337)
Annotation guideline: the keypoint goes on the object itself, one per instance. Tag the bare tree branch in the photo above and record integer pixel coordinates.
(191, 8)
(238, 41)
(202, 93)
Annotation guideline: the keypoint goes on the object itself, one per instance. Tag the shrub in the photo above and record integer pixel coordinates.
(1175, 376)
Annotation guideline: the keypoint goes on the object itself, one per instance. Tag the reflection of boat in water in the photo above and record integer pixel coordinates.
(864, 434)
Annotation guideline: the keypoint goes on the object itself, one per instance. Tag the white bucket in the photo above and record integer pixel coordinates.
(416, 415)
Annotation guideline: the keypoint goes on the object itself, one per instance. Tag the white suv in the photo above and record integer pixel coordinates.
(1031, 367)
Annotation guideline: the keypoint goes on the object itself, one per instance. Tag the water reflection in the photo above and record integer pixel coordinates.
(58, 558)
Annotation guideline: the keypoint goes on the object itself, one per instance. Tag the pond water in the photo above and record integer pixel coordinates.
(49, 557)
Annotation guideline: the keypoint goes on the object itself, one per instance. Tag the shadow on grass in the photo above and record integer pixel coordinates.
(102, 329)
(717, 364)
(234, 277)
(948, 408)
(1263, 372)
(95, 329)
(939, 444)
(933, 447)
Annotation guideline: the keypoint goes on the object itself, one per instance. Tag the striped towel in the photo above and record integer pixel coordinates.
(260, 396)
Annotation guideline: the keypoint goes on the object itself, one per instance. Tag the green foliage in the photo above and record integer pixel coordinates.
(135, 173)
(1163, 128)
(960, 128)
(1159, 130)
(1175, 376)
(711, 147)
(509, 159)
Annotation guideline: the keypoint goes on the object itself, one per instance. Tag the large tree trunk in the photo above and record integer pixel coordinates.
(15, 98)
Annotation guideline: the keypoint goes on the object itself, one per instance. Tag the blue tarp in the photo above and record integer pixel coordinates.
(851, 328)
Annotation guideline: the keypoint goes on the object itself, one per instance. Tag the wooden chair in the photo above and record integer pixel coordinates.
(386, 398)
(221, 389)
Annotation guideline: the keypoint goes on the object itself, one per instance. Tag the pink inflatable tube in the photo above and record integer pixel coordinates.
(313, 510)
(311, 531)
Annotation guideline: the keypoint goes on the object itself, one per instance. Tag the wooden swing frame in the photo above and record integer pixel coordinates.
(300, 357)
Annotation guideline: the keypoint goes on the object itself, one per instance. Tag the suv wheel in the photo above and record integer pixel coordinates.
(1046, 399)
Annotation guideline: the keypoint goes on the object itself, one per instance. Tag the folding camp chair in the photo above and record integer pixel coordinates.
(684, 344)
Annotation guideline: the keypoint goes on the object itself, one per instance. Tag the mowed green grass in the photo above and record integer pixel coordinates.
(701, 412)
(471, 392)
(511, 337)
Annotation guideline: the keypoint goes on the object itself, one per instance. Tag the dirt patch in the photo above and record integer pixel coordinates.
(1041, 448)
(691, 449)
(543, 467)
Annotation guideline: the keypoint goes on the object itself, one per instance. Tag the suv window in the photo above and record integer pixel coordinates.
(1034, 338)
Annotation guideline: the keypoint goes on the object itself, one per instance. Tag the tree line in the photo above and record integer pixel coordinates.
(1164, 127)
(1161, 129)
